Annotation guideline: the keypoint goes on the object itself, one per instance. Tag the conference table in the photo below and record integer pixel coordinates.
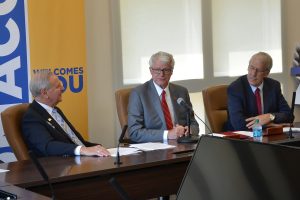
(145, 175)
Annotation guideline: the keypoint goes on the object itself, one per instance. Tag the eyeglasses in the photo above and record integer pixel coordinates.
(165, 71)
(251, 68)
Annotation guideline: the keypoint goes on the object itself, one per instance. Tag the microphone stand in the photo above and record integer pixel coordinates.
(292, 116)
(291, 131)
(210, 131)
(181, 102)
(188, 119)
(118, 158)
(188, 138)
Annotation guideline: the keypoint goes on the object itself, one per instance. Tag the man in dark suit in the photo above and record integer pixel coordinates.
(146, 119)
(255, 96)
(46, 129)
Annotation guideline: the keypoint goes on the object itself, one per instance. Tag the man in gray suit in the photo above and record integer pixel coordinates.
(147, 121)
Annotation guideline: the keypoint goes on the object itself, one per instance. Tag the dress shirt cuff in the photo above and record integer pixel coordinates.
(166, 136)
(77, 151)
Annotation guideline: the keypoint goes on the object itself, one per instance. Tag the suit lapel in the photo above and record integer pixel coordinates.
(174, 96)
(156, 101)
(249, 97)
(266, 97)
(48, 118)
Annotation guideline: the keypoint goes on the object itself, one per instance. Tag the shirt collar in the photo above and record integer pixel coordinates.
(159, 89)
(260, 87)
(49, 109)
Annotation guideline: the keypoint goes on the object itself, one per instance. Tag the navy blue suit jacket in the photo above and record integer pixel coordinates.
(242, 103)
(43, 134)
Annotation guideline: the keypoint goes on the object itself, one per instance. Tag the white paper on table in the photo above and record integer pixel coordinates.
(150, 146)
(287, 129)
(218, 135)
(123, 151)
(3, 170)
(297, 99)
(247, 133)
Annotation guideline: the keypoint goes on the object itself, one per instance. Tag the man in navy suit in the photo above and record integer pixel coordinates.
(146, 119)
(243, 108)
(46, 129)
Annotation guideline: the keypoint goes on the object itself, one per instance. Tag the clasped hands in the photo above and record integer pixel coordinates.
(97, 150)
(177, 131)
(264, 119)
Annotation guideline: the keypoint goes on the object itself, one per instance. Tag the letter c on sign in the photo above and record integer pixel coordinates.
(14, 39)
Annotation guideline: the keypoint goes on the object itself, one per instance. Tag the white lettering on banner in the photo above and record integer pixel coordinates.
(9, 86)
(13, 42)
(14, 61)
(7, 48)
(7, 6)
(13, 54)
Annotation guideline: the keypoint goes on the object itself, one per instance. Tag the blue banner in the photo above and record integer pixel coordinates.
(13, 53)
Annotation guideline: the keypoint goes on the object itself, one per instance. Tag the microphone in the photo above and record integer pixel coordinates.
(118, 161)
(41, 171)
(181, 102)
(292, 115)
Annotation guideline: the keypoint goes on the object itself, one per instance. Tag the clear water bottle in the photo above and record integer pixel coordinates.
(257, 131)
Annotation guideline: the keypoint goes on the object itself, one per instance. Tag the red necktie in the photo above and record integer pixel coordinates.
(166, 111)
(258, 101)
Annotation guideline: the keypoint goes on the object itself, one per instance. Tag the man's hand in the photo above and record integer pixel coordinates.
(177, 131)
(263, 120)
(97, 150)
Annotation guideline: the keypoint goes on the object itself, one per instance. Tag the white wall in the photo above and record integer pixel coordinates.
(102, 117)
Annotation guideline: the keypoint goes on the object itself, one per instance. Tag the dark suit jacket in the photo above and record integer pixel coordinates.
(43, 134)
(242, 103)
(146, 120)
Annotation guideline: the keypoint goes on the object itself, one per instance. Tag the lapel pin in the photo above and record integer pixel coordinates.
(50, 124)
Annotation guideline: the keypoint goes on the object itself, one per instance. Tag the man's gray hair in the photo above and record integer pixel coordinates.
(164, 57)
(40, 80)
(267, 59)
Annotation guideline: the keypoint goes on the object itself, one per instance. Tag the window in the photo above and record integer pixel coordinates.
(173, 26)
(233, 30)
(242, 28)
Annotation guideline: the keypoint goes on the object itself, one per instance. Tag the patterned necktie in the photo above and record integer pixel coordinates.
(166, 111)
(66, 127)
(258, 101)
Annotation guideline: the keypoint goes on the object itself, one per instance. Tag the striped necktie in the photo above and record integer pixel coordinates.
(66, 127)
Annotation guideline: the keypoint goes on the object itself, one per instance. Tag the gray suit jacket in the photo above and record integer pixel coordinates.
(146, 122)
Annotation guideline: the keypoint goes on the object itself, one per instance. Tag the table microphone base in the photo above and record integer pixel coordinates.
(188, 139)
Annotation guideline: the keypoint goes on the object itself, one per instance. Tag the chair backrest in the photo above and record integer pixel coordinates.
(11, 121)
(215, 104)
(122, 99)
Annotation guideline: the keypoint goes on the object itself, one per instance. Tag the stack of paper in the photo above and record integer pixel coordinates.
(246, 133)
(123, 151)
(3, 170)
(150, 146)
(217, 135)
(294, 129)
